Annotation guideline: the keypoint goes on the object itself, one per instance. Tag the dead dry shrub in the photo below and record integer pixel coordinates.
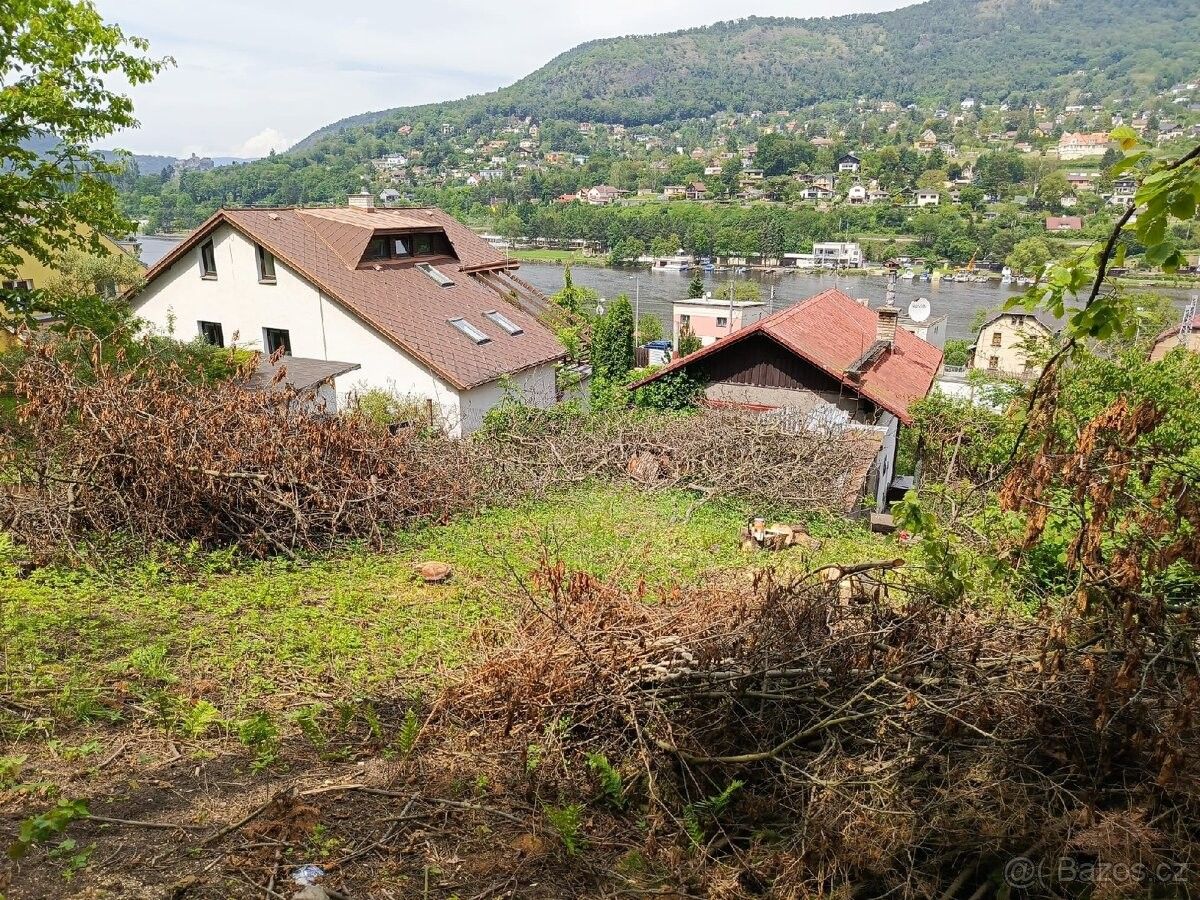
(817, 747)
(145, 452)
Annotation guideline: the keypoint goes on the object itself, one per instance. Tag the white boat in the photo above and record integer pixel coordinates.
(908, 274)
(680, 262)
(1006, 275)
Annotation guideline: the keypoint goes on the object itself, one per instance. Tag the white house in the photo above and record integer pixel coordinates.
(837, 255)
(857, 194)
(414, 301)
(928, 198)
(849, 163)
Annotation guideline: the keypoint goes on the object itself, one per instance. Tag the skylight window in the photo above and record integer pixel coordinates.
(470, 331)
(504, 322)
(436, 274)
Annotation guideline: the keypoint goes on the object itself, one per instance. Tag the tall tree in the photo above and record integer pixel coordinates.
(612, 342)
(56, 57)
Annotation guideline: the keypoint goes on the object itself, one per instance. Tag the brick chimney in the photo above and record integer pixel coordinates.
(365, 200)
(885, 328)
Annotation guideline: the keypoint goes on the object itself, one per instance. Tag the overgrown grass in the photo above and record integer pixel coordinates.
(152, 638)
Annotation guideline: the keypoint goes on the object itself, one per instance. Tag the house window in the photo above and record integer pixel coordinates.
(401, 247)
(685, 319)
(275, 339)
(208, 260)
(995, 338)
(993, 362)
(470, 331)
(722, 321)
(266, 266)
(212, 333)
(21, 284)
(437, 275)
(431, 244)
(504, 322)
(377, 248)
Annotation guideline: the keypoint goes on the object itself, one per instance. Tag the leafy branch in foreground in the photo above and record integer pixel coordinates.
(1169, 188)
(55, 58)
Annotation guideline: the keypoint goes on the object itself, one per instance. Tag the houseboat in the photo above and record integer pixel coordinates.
(680, 262)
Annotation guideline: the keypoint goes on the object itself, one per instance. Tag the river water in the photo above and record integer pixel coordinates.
(957, 301)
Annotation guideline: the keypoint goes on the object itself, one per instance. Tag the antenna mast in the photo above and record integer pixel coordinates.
(1185, 327)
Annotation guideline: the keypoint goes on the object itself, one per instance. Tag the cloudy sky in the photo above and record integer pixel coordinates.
(256, 75)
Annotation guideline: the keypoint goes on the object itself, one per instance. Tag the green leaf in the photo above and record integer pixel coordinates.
(1125, 136)
(1127, 163)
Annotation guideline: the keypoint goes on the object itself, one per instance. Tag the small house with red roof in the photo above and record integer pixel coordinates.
(830, 358)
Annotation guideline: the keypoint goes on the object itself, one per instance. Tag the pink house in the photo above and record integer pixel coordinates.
(712, 318)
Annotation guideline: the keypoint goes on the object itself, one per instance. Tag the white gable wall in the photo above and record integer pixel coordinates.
(319, 327)
(534, 387)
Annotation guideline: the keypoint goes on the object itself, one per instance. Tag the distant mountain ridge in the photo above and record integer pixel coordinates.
(147, 163)
(940, 50)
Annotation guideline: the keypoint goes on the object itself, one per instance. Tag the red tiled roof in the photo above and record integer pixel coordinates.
(831, 331)
(402, 303)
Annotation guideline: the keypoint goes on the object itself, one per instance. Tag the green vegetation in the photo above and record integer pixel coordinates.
(139, 640)
(767, 64)
(56, 57)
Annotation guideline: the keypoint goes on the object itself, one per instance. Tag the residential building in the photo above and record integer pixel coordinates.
(857, 195)
(931, 331)
(713, 318)
(837, 255)
(927, 142)
(1064, 223)
(1083, 181)
(602, 195)
(674, 192)
(1007, 344)
(32, 274)
(697, 190)
(420, 304)
(928, 198)
(849, 163)
(1077, 146)
(829, 361)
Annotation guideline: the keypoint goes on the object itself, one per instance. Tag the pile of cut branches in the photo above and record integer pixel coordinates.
(145, 452)
(820, 742)
(148, 453)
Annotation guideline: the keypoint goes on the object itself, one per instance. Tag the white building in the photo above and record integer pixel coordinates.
(416, 302)
(837, 255)
(928, 198)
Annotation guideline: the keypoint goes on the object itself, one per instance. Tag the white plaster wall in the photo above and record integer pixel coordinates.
(534, 387)
(319, 327)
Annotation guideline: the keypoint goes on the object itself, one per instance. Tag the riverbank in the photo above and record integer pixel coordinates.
(558, 258)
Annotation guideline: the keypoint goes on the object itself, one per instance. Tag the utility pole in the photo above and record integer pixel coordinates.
(729, 325)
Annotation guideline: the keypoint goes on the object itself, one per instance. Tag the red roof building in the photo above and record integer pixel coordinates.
(829, 348)
(1064, 223)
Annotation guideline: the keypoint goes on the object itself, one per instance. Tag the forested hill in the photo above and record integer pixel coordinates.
(939, 50)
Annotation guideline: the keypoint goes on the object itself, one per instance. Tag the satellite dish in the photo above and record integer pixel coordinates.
(918, 310)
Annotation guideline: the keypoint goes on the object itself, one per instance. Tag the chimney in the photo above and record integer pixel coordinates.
(365, 200)
(885, 329)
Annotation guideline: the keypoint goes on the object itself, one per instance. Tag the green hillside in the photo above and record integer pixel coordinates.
(940, 50)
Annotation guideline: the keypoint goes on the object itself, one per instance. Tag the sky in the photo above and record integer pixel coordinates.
(252, 76)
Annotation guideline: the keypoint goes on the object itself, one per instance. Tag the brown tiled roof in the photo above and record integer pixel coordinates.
(831, 330)
(400, 301)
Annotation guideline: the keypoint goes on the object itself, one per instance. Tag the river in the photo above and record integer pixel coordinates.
(957, 301)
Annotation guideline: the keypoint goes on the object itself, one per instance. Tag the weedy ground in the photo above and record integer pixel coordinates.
(182, 688)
